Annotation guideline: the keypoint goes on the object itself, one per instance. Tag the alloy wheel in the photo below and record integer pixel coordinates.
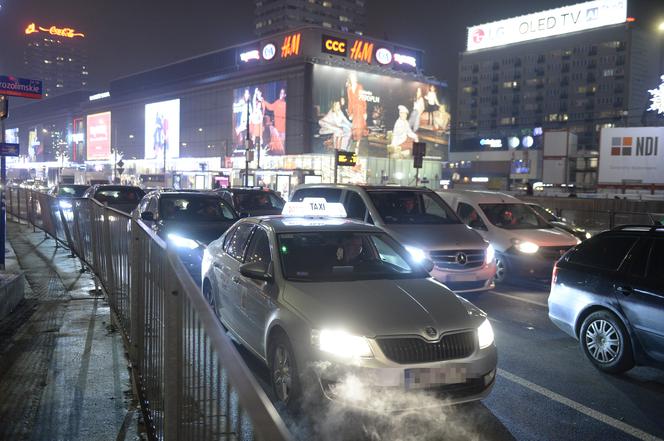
(281, 373)
(603, 341)
(501, 270)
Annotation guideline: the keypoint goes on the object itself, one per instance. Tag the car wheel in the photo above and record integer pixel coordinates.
(606, 343)
(501, 269)
(284, 374)
(209, 295)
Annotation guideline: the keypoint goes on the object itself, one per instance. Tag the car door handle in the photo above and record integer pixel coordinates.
(626, 290)
(235, 279)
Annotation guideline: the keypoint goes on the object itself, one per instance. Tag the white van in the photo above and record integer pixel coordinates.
(526, 245)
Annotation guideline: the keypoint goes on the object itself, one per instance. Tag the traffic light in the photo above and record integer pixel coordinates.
(4, 107)
(419, 150)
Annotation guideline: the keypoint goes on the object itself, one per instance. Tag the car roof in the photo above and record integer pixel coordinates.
(483, 197)
(637, 229)
(363, 187)
(116, 187)
(311, 224)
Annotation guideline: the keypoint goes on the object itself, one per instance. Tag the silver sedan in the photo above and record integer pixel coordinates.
(338, 305)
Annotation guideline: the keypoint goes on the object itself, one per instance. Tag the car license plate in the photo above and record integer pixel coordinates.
(420, 378)
(462, 278)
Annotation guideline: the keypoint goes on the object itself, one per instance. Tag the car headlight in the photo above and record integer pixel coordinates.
(182, 242)
(527, 247)
(490, 254)
(588, 235)
(485, 334)
(341, 343)
(65, 205)
(417, 254)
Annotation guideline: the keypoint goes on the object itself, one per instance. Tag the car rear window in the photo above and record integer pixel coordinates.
(604, 252)
(329, 194)
(119, 195)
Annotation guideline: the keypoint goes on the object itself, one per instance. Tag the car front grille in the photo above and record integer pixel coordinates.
(458, 259)
(553, 253)
(410, 350)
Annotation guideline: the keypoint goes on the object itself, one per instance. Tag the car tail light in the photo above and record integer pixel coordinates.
(554, 274)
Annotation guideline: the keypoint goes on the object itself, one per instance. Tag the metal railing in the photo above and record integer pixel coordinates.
(193, 383)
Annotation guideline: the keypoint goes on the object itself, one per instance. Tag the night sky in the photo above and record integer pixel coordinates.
(126, 36)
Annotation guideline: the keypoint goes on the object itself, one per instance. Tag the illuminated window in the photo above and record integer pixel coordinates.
(327, 4)
(326, 25)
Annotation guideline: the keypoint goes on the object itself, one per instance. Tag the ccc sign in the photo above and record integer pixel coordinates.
(333, 45)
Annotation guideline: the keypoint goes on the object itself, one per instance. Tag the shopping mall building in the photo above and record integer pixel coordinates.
(294, 99)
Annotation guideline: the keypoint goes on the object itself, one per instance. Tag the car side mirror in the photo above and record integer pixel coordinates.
(147, 216)
(477, 225)
(427, 264)
(255, 270)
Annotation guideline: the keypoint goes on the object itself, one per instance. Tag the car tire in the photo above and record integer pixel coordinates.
(502, 270)
(606, 343)
(284, 374)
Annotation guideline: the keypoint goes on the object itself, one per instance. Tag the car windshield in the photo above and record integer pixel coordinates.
(412, 207)
(257, 200)
(544, 213)
(344, 256)
(119, 195)
(194, 208)
(71, 191)
(513, 216)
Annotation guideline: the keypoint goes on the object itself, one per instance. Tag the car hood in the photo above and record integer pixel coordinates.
(204, 232)
(437, 237)
(381, 307)
(260, 211)
(545, 237)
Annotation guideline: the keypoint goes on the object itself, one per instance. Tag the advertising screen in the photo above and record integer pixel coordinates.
(99, 136)
(634, 153)
(35, 147)
(572, 18)
(11, 135)
(261, 109)
(376, 115)
(162, 129)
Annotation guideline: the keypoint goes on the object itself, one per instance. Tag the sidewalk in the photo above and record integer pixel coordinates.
(63, 370)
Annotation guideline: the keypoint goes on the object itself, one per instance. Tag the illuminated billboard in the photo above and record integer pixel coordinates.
(573, 18)
(162, 129)
(98, 131)
(35, 147)
(11, 136)
(377, 115)
(635, 153)
(261, 109)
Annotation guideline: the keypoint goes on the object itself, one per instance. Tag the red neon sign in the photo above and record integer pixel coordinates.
(291, 45)
(362, 51)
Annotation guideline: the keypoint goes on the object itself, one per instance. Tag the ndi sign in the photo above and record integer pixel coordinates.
(635, 153)
(573, 18)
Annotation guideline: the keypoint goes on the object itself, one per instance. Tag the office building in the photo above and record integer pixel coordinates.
(578, 68)
(56, 56)
(280, 15)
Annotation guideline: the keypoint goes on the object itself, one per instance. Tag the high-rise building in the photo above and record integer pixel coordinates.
(56, 56)
(280, 15)
(579, 68)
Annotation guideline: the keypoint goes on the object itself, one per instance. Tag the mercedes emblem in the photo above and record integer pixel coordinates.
(461, 258)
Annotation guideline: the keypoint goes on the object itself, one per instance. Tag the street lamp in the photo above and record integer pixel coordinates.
(660, 28)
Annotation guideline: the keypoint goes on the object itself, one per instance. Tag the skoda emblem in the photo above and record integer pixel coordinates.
(461, 258)
(431, 331)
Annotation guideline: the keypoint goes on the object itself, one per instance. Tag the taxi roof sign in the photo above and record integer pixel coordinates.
(318, 207)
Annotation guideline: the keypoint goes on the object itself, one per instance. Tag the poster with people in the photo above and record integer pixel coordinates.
(162, 129)
(35, 147)
(260, 111)
(377, 115)
(11, 135)
(98, 130)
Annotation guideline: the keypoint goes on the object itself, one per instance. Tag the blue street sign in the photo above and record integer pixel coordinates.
(8, 149)
(22, 87)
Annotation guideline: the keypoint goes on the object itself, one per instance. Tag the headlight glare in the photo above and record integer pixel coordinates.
(527, 247)
(417, 254)
(341, 343)
(485, 334)
(490, 254)
(65, 205)
(182, 242)
(588, 235)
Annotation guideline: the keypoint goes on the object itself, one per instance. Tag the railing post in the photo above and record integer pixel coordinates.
(109, 283)
(173, 353)
(136, 295)
(80, 247)
(18, 202)
(612, 219)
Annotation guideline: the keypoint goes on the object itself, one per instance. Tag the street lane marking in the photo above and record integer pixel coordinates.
(509, 296)
(616, 424)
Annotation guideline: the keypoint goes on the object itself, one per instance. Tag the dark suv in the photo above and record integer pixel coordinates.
(608, 292)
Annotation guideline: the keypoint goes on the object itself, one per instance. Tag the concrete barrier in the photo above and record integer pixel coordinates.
(12, 291)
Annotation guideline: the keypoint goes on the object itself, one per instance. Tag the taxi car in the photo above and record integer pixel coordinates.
(322, 299)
